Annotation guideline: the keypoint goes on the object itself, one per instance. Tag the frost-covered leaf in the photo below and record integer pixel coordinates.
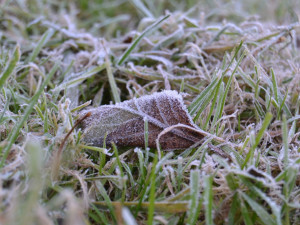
(124, 123)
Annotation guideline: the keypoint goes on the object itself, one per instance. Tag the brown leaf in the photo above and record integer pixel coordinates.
(124, 123)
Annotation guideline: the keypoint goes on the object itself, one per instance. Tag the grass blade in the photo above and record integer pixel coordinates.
(11, 66)
(246, 214)
(107, 200)
(275, 86)
(112, 81)
(137, 41)
(142, 172)
(285, 142)
(194, 197)
(235, 207)
(197, 153)
(212, 105)
(44, 39)
(261, 212)
(14, 134)
(282, 105)
(218, 107)
(259, 136)
(258, 192)
(169, 40)
(79, 78)
(228, 86)
(208, 200)
(142, 8)
(123, 183)
(152, 192)
(2, 118)
(198, 101)
(207, 99)
(100, 214)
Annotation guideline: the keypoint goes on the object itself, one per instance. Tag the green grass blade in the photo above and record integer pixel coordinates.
(216, 36)
(11, 66)
(285, 142)
(123, 183)
(261, 212)
(196, 154)
(95, 148)
(208, 200)
(293, 126)
(137, 41)
(233, 58)
(44, 39)
(276, 209)
(213, 105)
(152, 192)
(231, 182)
(275, 86)
(263, 128)
(100, 214)
(129, 173)
(228, 86)
(289, 184)
(107, 200)
(248, 80)
(282, 105)
(259, 136)
(169, 40)
(245, 213)
(102, 156)
(259, 109)
(198, 101)
(112, 81)
(80, 78)
(142, 8)
(234, 209)
(181, 86)
(194, 197)
(207, 100)
(2, 118)
(81, 106)
(268, 81)
(142, 173)
(16, 130)
(218, 107)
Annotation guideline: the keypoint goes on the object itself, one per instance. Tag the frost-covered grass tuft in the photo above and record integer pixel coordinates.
(236, 64)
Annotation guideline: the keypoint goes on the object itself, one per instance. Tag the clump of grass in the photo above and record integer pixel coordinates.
(241, 76)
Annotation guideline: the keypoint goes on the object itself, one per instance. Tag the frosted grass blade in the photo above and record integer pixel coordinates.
(16, 130)
(194, 197)
(137, 41)
(11, 66)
